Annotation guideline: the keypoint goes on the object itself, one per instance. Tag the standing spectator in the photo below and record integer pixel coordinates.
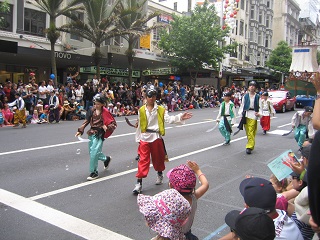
(249, 110)
(79, 93)
(50, 86)
(54, 113)
(102, 125)
(149, 133)
(95, 82)
(43, 92)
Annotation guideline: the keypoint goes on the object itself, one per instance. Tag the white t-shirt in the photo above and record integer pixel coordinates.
(42, 89)
(285, 227)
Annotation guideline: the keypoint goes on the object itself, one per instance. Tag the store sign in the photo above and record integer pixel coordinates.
(164, 18)
(63, 55)
(145, 41)
(159, 71)
(110, 71)
(146, 54)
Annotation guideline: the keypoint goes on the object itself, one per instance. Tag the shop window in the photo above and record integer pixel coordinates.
(6, 20)
(34, 22)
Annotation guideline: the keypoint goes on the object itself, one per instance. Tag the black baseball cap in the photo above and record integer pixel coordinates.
(258, 192)
(251, 224)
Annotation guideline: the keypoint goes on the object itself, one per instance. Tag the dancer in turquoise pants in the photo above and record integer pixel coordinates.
(226, 118)
(102, 125)
(302, 123)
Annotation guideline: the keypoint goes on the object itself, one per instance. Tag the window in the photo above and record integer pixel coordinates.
(242, 5)
(252, 12)
(34, 22)
(6, 20)
(156, 34)
(175, 6)
(74, 36)
(240, 51)
(241, 28)
(267, 21)
(251, 34)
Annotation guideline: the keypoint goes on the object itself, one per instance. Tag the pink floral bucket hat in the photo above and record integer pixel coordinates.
(165, 212)
(182, 178)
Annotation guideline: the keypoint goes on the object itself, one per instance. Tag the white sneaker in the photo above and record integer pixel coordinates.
(159, 180)
(137, 188)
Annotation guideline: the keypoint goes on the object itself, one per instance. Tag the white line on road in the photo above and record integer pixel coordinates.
(123, 173)
(57, 218)
(284, 125)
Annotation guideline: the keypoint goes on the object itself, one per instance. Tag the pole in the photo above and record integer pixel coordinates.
(220, 45)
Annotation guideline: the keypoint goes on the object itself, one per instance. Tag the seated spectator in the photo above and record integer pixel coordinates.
(280, 187)
(44, 116)
(251, 224)
(165, 213)
(258, 192)
(67, 110)
(35, 118)
(7, 114)
(39, 107)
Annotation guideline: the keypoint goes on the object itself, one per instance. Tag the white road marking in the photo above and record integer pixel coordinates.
(278, 132)
(284, 125)
(57, 218)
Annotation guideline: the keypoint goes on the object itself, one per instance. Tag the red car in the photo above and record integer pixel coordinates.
(282, 100)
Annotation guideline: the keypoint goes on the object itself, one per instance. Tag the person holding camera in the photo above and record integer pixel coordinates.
(54, 113)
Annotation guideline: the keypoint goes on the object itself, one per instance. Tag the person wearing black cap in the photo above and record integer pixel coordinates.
(19, 111)
(266, 111)
(302, 123)
(226, 118)
(249, 109)
(151, 119)
(251, 224)
(102, 126)
(259, 193)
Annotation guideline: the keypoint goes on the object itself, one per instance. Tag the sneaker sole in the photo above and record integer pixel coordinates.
(106, 167)
(91, 178)
(136, 192)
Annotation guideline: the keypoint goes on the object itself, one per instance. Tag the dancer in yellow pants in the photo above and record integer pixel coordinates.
(250, 105)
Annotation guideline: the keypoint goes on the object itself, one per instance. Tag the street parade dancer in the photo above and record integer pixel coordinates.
(249, 110)
(151, 128)
(19, 109)
(102, 126)
(266, 111)
(226, 118)
(302, 124)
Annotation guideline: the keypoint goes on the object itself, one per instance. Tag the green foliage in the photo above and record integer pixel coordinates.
(132, 25)
(318, 57)
(4, 8)
(194, 41)
(280, 58)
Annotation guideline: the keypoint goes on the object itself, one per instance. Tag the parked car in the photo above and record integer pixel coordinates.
(282, 100)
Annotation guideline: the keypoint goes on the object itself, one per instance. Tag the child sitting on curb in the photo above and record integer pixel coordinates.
(183, 178)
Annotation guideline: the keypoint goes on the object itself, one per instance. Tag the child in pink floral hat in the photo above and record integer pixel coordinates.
(165, 213)
(183, 178)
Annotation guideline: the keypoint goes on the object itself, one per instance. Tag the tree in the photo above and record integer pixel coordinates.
(4, 8)
(98, 27)
(56, 8)
(193, 42)
(280, 59)
(132, 23)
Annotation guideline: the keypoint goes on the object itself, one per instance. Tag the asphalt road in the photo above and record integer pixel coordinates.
(44, 193)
